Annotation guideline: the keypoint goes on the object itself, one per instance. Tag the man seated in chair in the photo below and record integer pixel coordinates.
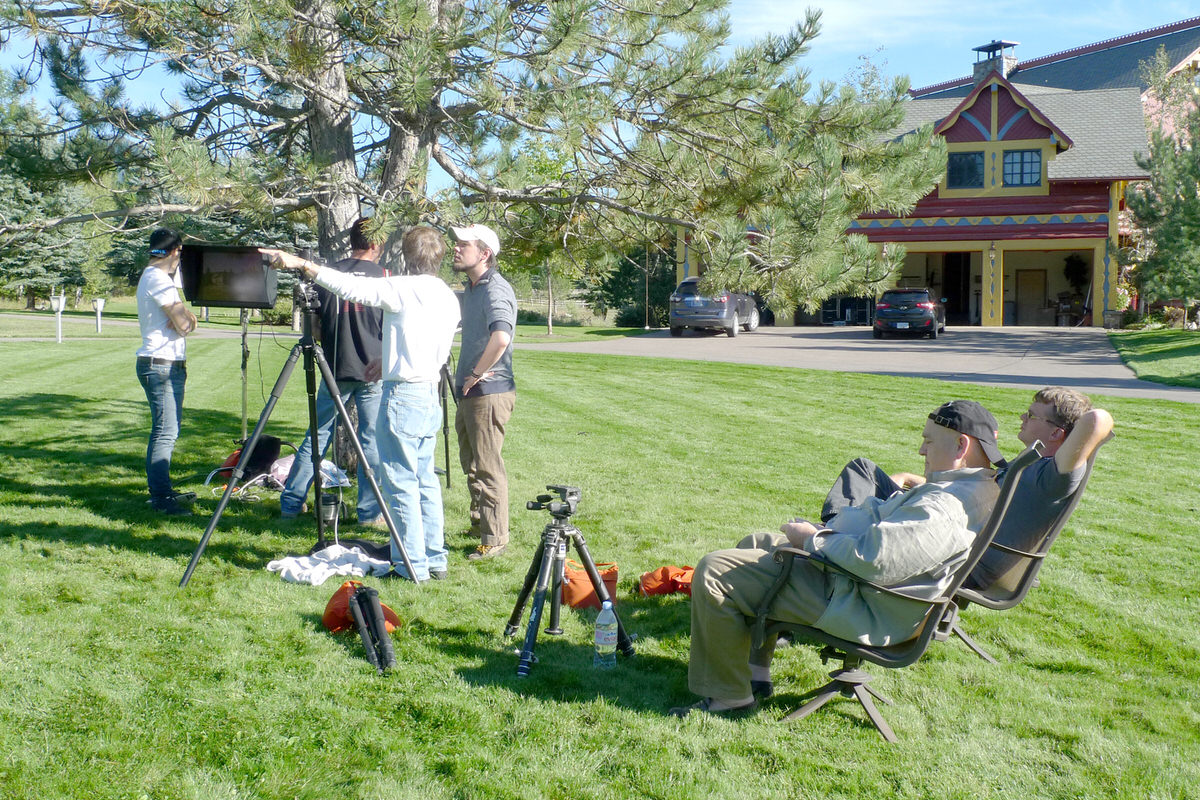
(912, 542)
(1069, 429)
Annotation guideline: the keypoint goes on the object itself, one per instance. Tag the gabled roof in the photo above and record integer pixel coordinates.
(1107, 127)
(1109, 64)
(996, 78)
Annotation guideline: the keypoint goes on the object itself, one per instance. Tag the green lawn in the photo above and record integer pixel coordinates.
(1163, 356)
(115, 683)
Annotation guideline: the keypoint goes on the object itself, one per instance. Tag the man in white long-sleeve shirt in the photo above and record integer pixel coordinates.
(912, 542)
(420, 315)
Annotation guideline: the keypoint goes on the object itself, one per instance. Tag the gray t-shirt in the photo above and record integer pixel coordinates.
(489, 305)
(1039, 498)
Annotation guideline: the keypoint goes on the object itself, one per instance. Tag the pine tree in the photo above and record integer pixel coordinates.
(1167, 206)
(45, 261)
(317, 107)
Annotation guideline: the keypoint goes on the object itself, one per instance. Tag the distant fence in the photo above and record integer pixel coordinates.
(569, 307)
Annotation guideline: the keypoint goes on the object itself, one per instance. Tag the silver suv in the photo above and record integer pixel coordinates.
(727, 311)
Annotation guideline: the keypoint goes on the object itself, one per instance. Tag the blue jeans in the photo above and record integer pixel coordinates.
(164, 391)
(366, 398)
(408, 419)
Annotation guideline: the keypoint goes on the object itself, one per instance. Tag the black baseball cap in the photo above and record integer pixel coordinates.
(967, 416)
(163, 241)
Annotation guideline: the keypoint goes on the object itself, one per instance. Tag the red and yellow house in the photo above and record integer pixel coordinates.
(1035, 181)
(1040, 155)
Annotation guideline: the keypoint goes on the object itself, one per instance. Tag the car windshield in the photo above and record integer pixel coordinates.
(905, 297)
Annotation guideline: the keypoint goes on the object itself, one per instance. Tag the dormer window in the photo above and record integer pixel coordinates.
(1022, 167)
(964, 170)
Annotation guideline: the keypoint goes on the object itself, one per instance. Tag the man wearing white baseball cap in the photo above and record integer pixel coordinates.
(485, 385)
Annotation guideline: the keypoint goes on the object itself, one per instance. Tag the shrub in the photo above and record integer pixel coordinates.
(634, 316)
(527, 316)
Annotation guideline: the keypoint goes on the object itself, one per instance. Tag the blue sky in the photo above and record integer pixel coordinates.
(931, 40)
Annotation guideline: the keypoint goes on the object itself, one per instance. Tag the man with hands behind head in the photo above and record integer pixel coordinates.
(1069, 429)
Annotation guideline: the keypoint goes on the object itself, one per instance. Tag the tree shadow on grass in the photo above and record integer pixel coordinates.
(165, 540)
(94, 459)
(563, 670)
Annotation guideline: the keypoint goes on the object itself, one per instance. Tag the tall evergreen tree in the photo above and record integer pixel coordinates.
(316, 106)
(45, 261)
(1167, 207)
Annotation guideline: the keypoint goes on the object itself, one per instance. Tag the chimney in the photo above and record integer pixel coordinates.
(993, 58)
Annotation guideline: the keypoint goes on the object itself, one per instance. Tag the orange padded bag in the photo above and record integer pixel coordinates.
(337, 611)
(577, 589)
(667, 580)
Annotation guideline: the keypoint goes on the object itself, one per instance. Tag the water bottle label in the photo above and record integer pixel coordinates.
(606, 638)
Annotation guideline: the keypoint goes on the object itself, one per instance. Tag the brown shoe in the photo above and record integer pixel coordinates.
(705, 706)
(486, 551)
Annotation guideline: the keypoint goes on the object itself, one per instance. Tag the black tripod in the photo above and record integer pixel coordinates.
(445, 387)
(556, 538)
(306, 299)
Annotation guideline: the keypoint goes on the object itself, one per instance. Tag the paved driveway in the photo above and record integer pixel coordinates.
(1017, 357)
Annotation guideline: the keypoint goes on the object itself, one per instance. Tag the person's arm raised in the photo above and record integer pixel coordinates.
(1090, 430)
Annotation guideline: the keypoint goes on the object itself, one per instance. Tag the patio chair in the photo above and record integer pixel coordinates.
(1010, 588)
(851, 680)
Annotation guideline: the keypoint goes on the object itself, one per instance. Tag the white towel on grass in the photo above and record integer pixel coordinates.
(324, 564)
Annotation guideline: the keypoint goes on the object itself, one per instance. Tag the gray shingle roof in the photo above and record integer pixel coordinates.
(1109, 68)
(1107, 127)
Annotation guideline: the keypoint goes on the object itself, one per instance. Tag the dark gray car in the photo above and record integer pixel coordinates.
(727, 311)
(911, 311)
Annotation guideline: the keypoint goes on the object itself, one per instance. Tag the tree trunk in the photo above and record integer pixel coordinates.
(331, 130)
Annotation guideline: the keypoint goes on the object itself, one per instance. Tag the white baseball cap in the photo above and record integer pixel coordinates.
(480, 233)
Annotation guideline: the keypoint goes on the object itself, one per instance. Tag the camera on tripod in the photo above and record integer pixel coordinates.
(545, 576)
(305, 297)
(563, 508)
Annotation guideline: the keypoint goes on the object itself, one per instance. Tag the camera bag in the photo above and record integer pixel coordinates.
(337, 617)
(577, 589)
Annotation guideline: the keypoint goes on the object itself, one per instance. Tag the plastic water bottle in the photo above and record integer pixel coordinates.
(606, 638)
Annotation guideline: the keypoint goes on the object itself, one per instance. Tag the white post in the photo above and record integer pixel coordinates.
(58, 302)
(98, 304)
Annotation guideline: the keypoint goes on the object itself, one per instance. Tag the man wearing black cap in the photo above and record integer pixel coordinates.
(862, 478)
(913, 542)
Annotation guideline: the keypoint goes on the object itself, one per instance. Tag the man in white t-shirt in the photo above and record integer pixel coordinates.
(161, 364)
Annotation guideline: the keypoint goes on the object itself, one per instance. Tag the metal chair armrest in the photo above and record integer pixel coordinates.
(787, 556)
(1003, 548)
(825, 563)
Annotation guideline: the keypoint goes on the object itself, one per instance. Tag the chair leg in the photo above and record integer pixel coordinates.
(851, 682)
(863, 693)
(881, 698)
(821, 697)
(971, 643)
